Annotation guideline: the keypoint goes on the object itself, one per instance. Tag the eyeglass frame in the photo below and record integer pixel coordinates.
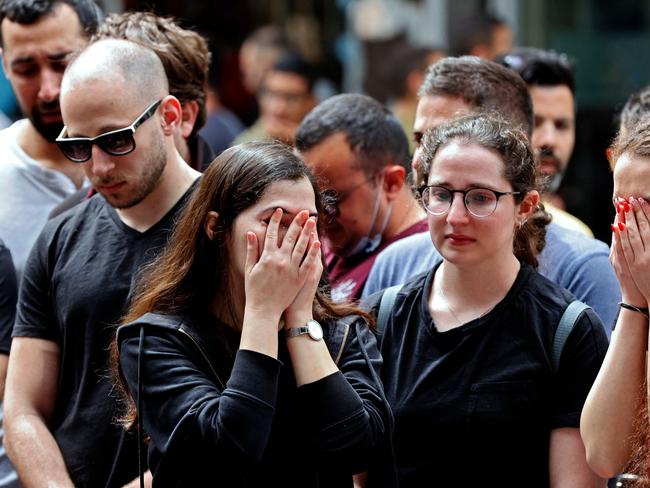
(332, 199)
(451, 191)
(141, 119)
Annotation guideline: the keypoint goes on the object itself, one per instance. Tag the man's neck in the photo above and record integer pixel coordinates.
(176, 179)
(406, 213)
(47, 154)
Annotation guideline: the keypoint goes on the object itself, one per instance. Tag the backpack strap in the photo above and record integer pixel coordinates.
(386, 303)
(567, 322)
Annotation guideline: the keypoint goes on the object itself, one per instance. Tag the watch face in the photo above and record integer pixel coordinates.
(315, 331)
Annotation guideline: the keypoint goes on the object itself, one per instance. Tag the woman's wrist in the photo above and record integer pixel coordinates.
(635, 308)
(297, 318)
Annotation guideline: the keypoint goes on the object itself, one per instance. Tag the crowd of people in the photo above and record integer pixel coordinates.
(329, 301)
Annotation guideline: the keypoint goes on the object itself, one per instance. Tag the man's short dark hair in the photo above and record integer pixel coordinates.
(295, 64)
(372, 131)
(539, 67)
(486, 86)
(30, 11)
(183, 52)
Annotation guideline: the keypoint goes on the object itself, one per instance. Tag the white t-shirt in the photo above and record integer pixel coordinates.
(28, 192)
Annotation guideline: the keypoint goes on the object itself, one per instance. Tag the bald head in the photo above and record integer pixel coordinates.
(133, 68)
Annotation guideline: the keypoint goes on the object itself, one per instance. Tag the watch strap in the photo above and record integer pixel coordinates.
(296, 331)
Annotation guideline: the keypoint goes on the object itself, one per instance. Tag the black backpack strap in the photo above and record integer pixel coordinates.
(567, 322)
(386, 304)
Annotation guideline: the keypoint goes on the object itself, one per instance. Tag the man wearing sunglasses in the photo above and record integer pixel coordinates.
(359, 151)
(120, 128)
(185, 56)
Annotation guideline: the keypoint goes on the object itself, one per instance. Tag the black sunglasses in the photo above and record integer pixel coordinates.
(116, 142)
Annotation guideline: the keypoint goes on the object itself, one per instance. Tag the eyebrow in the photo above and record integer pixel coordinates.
(30, 59)
(470, 186)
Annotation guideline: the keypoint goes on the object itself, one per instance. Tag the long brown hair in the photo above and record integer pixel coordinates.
(520, 169)
(193, 268)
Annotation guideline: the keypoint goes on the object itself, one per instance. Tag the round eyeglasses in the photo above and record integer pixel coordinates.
(332, 199)
(479, 202)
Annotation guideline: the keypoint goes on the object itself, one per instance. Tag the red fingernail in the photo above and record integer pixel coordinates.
(627, 206)
(614, 228)
(621, 225)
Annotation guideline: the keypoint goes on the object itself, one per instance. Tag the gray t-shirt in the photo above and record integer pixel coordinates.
(28, 192)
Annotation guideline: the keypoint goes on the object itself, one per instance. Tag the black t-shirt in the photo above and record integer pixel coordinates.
(475, 405)
(8, 296)
(74, 291)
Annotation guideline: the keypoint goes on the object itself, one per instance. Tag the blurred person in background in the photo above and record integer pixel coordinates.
(285, 97)
(488, 38)
(222, 125)
(37, 38)
(551, 82)
(259, 52)
(407, 66)
(359, 152)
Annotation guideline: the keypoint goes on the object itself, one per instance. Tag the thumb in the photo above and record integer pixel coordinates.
(252, 253)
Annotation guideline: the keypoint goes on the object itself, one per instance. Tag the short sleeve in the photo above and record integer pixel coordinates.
(8, 298)
(35, 316)
(580, 362)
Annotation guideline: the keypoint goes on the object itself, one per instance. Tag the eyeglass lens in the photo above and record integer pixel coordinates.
(116, 143)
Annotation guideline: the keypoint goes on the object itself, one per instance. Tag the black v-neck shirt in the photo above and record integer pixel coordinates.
(75, 288)
(475, 405)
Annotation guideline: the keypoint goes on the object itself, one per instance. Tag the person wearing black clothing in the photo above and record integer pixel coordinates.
(59, 404)
(248, 373)
(467, 347)
(8, 298)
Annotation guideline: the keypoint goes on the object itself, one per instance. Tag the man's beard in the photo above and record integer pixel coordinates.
(552, 179)
(50, 131)
(153, 166)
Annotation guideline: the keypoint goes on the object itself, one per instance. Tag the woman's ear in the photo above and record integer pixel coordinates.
(528, 205)
(210, 224)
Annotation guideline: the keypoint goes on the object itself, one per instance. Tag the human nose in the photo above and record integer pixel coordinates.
(545, 135)
(457, 210)
(101, 163)
(50, 85)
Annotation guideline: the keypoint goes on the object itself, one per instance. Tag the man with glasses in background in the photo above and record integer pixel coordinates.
(359, 152)
(120, 128)
(285, 97)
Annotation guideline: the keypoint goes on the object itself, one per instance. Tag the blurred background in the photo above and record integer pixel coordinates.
(372, 46)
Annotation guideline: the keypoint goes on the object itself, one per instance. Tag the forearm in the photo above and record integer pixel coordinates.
(611, 406)
(567, 463)
(34, 452)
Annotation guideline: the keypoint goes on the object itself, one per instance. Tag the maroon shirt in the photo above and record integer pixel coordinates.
(348, 275)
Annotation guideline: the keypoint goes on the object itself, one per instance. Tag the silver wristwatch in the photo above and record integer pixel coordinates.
(311, 328)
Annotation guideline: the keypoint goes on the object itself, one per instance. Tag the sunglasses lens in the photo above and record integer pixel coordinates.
(117, 143)
(78, 151)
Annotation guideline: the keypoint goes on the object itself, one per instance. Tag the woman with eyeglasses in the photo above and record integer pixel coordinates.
(615, 425)
(468, 347)
(238, 368)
